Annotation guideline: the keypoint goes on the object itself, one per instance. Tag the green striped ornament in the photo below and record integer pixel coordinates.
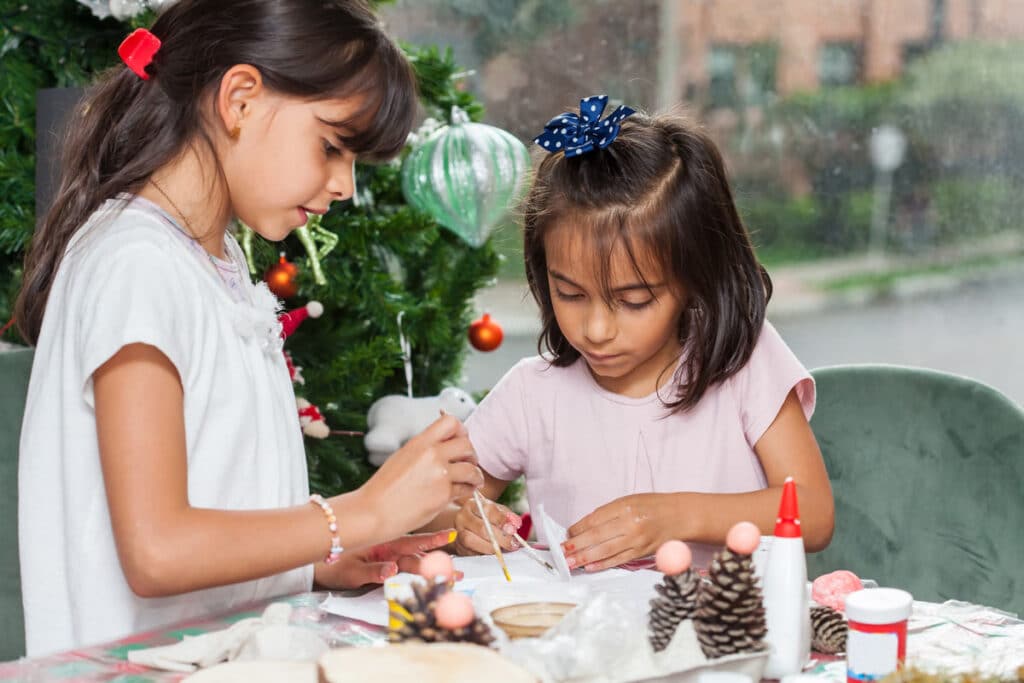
(467, 176)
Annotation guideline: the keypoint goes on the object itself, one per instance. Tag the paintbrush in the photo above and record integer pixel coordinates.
(533, 554)
(490, 532)
(487, 525)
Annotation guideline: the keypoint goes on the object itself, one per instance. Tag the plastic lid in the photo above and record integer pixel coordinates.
(879, 605)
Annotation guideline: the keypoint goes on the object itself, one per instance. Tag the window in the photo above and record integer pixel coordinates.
(722, 72)
(839, 64)
(799, 160)
(741, 75)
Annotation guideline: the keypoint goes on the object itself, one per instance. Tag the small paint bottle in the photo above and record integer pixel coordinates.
(876, 643)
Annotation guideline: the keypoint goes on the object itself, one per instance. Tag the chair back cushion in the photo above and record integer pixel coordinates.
(15, 367)
(927, 470)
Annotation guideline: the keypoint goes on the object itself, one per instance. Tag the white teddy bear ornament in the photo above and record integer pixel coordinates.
(394, 419)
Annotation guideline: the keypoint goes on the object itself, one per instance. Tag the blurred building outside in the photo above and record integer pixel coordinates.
(791, 90)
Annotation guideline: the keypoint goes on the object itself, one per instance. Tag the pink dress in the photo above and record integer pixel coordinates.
(580, 446)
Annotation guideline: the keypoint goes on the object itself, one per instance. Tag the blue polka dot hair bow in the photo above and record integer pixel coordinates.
(579, 134)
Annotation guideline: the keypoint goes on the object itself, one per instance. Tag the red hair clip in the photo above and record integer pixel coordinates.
(137, 51)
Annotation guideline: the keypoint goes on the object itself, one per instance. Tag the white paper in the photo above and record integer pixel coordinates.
(556, 535)
(485, 583)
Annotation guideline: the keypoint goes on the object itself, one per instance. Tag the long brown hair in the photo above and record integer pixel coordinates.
(660, 189)
(126, 128)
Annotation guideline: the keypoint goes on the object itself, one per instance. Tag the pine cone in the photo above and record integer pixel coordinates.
(420, 624)
(828, 631)
(730, 608)
(677, 601)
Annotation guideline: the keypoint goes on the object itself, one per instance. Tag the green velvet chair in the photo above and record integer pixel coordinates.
(15, 367)
(927, 470)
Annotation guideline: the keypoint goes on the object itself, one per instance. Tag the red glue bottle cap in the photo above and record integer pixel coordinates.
(787, 525)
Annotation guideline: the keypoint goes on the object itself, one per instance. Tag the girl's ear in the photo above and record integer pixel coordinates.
(240, 89)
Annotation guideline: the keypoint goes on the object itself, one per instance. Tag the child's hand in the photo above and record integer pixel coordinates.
(623, 530)
(378, 563)
(473, 538)
(431, 470)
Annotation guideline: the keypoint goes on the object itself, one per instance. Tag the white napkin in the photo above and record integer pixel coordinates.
(266, 637)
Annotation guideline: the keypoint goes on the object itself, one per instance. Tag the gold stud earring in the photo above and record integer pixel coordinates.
(235, 132)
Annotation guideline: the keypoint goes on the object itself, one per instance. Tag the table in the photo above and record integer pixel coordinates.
(109, 663)
(970, 626)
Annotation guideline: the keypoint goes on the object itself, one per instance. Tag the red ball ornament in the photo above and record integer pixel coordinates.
(281, 278)
(485, 334)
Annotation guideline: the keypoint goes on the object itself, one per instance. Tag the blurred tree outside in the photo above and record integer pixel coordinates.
(960, 107)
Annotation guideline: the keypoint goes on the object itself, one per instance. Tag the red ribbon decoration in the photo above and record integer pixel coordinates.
(137, 51)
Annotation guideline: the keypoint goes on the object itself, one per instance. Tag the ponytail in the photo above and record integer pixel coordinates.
(118, 135)
(127, 127)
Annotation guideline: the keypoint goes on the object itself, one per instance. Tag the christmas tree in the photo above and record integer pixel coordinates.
(388, 258)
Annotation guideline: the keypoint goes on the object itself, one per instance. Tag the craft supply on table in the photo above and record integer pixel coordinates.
(677, 593)
(730, 617)
(436, 614)
(831, 589)
(490, 533)
(556, 535)
(828, 630)
(530, 619)
(785, 591)
(418, 663)
(269, 636)
(533, 554)
(876, 644)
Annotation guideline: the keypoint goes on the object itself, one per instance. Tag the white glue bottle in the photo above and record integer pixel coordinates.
(787, 611)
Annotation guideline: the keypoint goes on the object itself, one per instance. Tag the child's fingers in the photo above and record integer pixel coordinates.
(410, 564)
(441, 429)
(503, 521)
(498, 515)
(589, 538)
(477, 539)
(413, 544)
(597, 518)
(593, 538)
(370, 572)
(465, 474)
(599, 552)
(456, 449)
(472, 543)
(614, 561)
(460, 491)
(462, 431)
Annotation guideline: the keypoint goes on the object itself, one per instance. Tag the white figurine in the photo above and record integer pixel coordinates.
(394, 419)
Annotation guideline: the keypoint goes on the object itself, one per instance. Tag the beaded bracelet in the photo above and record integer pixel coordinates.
(332, 525)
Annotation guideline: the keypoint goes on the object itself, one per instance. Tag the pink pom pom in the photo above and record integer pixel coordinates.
(831, 589)
(743, 538)
(454, 610)
(437, 563)
(673, 558)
